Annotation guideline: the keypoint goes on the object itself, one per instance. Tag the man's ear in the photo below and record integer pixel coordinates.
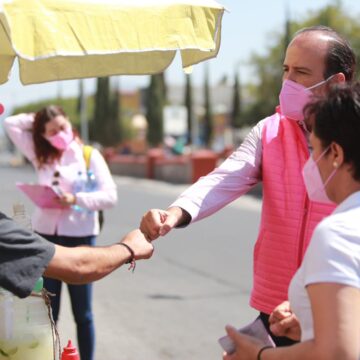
(338, 78)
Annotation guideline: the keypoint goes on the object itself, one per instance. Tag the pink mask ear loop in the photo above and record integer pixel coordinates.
(322, 155)
(320, 83)
(330, 177)
(333, 172)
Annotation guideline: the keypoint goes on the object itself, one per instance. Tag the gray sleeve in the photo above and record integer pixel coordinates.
(24, 256)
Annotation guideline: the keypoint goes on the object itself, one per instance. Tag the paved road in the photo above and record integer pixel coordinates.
(176, 305)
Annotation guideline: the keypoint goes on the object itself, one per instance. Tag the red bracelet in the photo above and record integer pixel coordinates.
(261, 351)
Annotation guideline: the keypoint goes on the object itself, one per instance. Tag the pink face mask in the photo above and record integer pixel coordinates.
(293, 98)
(61, 139)
(313, 182)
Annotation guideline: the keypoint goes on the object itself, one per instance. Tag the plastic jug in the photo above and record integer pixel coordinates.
(79, 185)
(25, 327)
(20, 216)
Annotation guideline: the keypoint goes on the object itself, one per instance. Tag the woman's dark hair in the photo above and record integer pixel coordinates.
(336, 118)
(44, 151)
(340, 56)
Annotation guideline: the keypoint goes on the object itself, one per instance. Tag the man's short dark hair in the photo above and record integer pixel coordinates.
(340, 56)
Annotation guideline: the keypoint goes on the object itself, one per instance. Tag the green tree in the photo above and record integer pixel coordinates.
(287, 36)
(101, 110)
(236, 118)
(106, 122)
(208, 117)
(115, 120)
(82, 112)
(189, 108)
(155, 101)
(163, 86)
(68, 105)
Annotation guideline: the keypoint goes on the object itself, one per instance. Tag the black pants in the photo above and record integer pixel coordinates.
(278, 340)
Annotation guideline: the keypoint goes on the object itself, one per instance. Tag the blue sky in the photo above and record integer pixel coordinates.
(247, 28)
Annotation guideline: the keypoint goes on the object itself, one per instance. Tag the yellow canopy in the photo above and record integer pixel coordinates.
(70, 39)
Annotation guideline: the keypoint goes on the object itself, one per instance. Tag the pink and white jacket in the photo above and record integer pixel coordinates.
(274, 152)
(66, 222)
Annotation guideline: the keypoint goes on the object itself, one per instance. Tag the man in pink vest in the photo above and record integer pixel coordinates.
(274, 152)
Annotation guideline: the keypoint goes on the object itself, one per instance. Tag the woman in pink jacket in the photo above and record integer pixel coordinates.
(48, 141)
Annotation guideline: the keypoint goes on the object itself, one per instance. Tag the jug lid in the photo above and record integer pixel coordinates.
(38, 285)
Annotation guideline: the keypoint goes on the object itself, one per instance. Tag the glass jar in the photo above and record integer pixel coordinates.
(25, 327)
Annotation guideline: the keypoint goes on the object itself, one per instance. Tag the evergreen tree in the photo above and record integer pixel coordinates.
(287, 36)
(236, 119)
(163, 86)
(81, 109)
(154, 109)
(101, 110)
(189, 108)
(208, 117)
(80, 98)
(106, 127)
(114, 134)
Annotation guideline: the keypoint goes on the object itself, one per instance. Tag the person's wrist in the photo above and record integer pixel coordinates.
(176, 212)
(182, 216)
(262, 350)
(130, 251)
(132, 259)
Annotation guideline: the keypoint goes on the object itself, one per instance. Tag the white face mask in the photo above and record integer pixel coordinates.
(313, 183)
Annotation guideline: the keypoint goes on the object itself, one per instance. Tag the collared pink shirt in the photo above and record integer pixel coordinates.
(234, 177)
(66, 222)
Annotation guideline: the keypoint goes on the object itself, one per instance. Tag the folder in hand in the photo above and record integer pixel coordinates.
(42, 196)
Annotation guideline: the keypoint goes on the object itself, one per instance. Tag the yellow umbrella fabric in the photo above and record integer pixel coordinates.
(70, 39)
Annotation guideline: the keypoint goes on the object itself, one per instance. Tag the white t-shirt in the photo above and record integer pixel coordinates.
(333, 256)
